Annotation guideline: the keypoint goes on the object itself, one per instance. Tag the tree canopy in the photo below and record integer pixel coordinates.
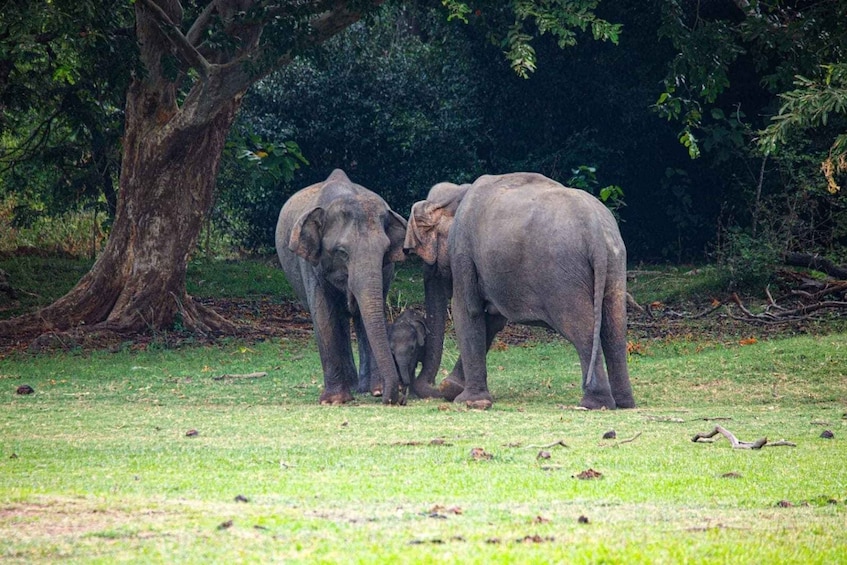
(127, 107)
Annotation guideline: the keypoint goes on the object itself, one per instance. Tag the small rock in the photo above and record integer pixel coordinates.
(582, 519)
(25, 389)
(225, 525)
(827, 434)
(543, 455)
(611, 434)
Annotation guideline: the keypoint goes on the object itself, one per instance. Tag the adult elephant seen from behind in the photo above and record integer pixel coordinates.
(523, 248)
(337, 243)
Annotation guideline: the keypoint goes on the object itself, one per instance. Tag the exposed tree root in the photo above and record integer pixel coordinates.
(75, 320)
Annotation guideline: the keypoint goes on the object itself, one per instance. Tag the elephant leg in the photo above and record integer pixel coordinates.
(469, 318)
(454, 384)
(613, 338)
(332, 333)
(595, 387)
(370, 379)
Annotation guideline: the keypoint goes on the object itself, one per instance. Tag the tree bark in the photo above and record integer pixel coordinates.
(138, 282)
(171, 153)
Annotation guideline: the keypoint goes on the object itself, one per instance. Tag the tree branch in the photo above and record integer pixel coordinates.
(200, 24)
(253, 65)
(736, 444)
(186, 51)
(815, 262)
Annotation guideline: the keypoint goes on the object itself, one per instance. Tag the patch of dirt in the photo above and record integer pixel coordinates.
(256, 320)
(66, 518)
(262, 319)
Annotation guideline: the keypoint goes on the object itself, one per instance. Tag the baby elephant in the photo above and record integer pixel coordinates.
(407, 338)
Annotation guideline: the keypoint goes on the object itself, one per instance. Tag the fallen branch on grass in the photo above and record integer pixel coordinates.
(736, 444)
(629, 440)
(561, 443)
(784, 315)
(258, 375)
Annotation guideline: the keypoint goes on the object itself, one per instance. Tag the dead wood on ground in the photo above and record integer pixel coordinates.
(738, 444)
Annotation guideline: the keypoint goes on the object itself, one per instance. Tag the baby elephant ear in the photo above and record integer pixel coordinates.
(421, 235)
(420, 331)
(396, 232)
(305, 240)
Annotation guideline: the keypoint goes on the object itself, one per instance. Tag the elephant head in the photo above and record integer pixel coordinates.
(426, 236)
(352, 239)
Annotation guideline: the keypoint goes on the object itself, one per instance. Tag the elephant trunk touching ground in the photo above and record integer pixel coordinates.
(368, 292)
(337, 243)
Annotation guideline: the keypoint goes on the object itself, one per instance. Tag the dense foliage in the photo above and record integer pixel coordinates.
(64, 69)
(424, 91)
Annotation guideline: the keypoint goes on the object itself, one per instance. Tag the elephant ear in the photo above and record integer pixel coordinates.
(305, 240)
(420, 331)
(396, 232)
(421, 235)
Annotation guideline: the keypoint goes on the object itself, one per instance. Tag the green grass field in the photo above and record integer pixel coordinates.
(149, 456)
(97, 465)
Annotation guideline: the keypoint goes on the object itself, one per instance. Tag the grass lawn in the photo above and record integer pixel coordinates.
(98, 464)
(148, 455)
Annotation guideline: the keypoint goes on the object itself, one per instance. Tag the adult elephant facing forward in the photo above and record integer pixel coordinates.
(337, 243)
(524, 248)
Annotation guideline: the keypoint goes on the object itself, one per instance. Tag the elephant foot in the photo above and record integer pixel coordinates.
(479, 401)
(336, 398)
(625, 402)
(598, 402)
(450, 389)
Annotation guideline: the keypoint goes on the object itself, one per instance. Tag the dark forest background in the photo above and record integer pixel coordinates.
(668, 125)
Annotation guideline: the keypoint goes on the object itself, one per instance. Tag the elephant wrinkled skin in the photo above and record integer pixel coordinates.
(337, 243)
(523, 248)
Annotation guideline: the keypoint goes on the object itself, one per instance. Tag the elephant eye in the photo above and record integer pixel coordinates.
(341, 254)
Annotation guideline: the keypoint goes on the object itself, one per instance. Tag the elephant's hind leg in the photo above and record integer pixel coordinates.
(596, 392)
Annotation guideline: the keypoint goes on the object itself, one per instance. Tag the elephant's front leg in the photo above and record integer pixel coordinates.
(370, 379)
(454, 384)
(332, 333)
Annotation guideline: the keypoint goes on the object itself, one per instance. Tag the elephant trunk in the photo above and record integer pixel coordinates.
(437, 295)
(368, 292)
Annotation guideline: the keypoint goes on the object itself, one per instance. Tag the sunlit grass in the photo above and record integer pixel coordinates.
(97, 466)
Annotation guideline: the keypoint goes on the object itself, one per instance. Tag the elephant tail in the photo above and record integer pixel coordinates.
(600, 268)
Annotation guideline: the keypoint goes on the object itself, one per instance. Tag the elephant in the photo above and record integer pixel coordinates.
(521, 247)
(407, 337)
(337, 244)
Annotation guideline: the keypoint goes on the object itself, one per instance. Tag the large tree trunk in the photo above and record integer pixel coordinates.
(167, 182)
(171, 152)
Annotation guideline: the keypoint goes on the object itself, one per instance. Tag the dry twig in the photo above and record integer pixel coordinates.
(244, 376)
